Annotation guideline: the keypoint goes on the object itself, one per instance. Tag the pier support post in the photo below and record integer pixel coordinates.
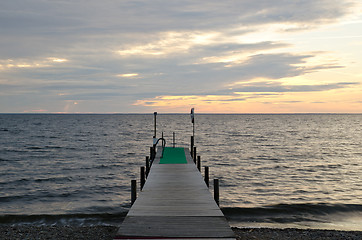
(155, 123)
(133, 191)
(199, 163)
(143, 180)
(216, 191)
(206, 177)
(173, 140)
(192, 146)
(152, 153)
(147, 166)
(194, 156)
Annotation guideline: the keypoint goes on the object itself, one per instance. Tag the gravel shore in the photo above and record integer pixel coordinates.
(295, 234)
(108, 232)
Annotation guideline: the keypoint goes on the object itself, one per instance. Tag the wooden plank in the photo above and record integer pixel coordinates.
(175, 189)
(175, 203)
(197, 227)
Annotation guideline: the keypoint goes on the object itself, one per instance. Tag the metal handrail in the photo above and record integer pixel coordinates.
(163, 144)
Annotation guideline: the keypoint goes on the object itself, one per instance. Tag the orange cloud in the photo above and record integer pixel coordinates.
(331, 101)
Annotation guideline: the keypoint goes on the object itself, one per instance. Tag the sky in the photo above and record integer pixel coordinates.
(141, 56)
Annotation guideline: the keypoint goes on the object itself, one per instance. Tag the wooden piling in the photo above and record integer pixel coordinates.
(152, 153)
(195, 154)
(216, 191)
(155, 124)
(206, 177)
(143, 180)
(147, 166)
(133, 191)
(192, 145)
(199, 163)
(173, 139)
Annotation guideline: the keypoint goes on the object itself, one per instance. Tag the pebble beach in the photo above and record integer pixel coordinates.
(108, 232)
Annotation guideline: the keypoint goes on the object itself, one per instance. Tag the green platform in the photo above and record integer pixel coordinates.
(173, 156)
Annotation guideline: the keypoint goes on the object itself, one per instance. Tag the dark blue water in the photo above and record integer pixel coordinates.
(275, 170)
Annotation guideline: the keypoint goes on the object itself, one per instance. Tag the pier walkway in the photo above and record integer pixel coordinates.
(175, 203)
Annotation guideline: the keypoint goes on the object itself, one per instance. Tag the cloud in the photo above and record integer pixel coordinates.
(39, 28)
(279, 88)
(209, 77)
(257, 91)
(93, 81)
(300, 13)
(92, 50)
(48, 26)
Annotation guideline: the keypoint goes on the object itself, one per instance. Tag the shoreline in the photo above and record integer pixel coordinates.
(8, 232)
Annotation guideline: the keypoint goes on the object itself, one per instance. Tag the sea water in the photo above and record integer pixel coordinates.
(277, 170)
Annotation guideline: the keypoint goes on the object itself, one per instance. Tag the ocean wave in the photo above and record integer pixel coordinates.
(34, 148)
(31, 179)
(288, 213)
(51, 195)
(13, 150)
(53, 147)
(77, 219)
(55, 179)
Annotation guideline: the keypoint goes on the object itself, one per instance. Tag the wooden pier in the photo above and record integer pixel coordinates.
(175, 203)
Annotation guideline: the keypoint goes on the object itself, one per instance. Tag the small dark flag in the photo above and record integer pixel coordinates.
(192, 115)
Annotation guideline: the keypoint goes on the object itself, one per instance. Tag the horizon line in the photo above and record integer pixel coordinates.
(175, 113)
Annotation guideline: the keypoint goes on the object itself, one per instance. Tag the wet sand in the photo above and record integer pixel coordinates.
(108, 232)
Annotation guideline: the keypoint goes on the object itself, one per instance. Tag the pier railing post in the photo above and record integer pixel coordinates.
(216, 191)
(206, 177)
(155, 123)
(152, 153)
(147, 166)
(194, 156)
(192, 146)
(133, 191)
(143, 180)
(173, 140)
(199, 163)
